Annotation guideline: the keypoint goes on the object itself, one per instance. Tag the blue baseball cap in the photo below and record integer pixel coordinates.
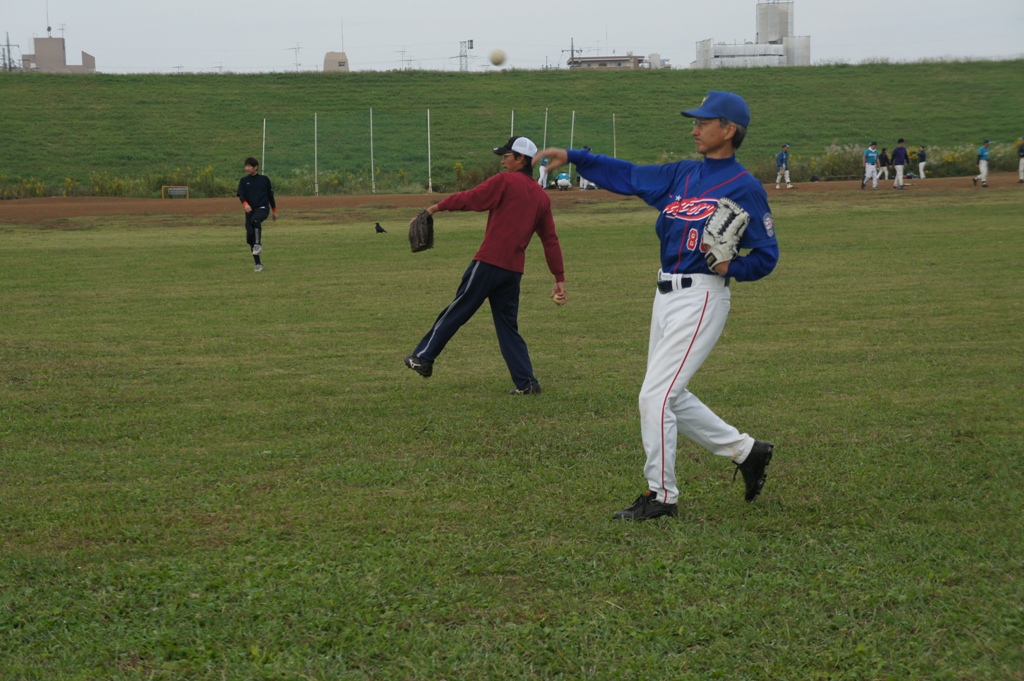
(722, 105)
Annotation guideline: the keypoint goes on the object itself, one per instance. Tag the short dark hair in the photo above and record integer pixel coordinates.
(900, 141)
(251, 161)
(528, 166)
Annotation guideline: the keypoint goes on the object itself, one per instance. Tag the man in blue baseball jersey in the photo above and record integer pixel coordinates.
(691, 304)
(982, 165)
(870, 166)
(900, 157)
(782, 167)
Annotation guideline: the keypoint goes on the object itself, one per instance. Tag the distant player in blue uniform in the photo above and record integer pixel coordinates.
(982, 165)
(691, 303)
(782, 167)
(870, 166)
(900, 158)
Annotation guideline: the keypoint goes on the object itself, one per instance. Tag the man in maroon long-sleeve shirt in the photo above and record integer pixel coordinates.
(518, 207)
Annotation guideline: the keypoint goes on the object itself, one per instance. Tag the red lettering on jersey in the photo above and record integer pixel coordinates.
(691, 209)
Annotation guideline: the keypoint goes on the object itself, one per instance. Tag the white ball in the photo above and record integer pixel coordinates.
(498, 57)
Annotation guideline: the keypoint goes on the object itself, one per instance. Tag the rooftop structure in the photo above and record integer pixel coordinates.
(51, 57)
(336, 61)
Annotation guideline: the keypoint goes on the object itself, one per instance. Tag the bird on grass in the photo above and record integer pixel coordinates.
(379, 229)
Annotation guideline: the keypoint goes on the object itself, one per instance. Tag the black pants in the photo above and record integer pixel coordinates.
(254, 225)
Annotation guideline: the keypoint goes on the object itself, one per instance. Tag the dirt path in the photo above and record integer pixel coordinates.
(29, 211)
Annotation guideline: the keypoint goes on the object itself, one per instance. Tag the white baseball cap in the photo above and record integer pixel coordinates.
(519, 145)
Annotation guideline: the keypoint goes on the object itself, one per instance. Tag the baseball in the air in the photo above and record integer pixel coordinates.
(498, 57)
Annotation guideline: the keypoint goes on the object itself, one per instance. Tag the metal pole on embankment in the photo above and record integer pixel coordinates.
(430, 172)
(373, 175)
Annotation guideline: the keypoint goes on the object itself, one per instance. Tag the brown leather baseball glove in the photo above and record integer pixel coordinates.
(421, 232)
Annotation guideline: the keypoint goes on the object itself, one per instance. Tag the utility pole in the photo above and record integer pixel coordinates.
(572, 52)
(464, 48)
(296, 50)
(404, 60)
(8, 59)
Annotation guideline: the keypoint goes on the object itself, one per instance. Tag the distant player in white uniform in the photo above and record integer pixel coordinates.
(782, 167)
(982, 165)
(1020, 164)
(870, 166)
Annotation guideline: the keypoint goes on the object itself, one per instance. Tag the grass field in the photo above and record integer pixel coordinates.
(210, 474)
(117, 135)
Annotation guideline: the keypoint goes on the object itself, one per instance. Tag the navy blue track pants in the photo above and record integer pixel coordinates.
(501, 288)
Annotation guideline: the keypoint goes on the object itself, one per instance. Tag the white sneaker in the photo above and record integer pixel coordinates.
(777, 186)
(788, 186)
(259, 268)
(257, 249)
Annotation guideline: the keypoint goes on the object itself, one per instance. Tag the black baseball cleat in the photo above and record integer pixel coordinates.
(753, 468)
(975, 181)
(420, 366)
(863, 183)
(646, 507)
(534, 389)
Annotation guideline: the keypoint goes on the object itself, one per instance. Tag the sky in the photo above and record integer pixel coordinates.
(169, 36)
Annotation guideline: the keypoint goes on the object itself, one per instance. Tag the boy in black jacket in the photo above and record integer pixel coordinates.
(257, 197)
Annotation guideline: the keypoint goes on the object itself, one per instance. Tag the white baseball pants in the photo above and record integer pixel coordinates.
(782, 172)
(685, 325)
(898, 182)
(982, 171)
(871, 173)
(920, 170)
(1020, 169)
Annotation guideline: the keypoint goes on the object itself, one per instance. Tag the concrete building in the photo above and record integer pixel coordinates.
(775, 43)
(627, 62)
(336, 61)
(51, 57)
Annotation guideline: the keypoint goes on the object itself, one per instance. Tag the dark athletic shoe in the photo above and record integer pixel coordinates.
(420, 366)
(534, 389)
(753, 468)
(645, 507)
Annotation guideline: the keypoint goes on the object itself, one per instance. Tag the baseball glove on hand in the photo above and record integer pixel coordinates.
(421, 232)
(723, 231)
